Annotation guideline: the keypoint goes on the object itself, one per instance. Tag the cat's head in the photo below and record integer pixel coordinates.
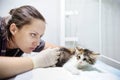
(85, 57)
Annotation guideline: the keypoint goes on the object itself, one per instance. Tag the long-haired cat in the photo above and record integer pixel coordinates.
(76, 59)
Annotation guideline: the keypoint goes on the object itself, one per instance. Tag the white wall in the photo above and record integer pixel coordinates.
(50, 9)
(82, 22)
(110, 32)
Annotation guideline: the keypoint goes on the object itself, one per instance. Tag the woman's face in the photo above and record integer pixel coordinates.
(28, 37)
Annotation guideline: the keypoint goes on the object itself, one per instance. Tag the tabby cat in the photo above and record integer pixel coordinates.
(76, 59)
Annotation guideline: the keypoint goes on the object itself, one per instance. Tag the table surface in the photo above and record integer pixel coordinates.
(59, 73)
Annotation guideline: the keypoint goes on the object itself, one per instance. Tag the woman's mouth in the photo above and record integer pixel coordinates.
(32, 48)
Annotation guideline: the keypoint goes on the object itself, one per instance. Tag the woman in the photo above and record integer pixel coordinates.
(20, 33)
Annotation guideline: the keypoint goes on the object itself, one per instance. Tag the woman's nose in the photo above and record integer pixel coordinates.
(36, 43)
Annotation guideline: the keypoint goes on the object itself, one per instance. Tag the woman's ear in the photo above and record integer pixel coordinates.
(13, 28)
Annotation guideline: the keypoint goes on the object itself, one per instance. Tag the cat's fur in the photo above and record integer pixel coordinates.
(76, 59)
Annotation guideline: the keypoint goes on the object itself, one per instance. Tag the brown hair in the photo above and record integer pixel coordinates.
(22, 16)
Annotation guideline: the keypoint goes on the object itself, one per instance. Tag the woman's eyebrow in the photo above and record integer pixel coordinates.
(36, 32)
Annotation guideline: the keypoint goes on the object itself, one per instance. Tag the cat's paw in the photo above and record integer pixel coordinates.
(76, 72)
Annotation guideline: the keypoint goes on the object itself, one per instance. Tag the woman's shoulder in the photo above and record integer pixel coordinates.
(2, 27)
(3, 37)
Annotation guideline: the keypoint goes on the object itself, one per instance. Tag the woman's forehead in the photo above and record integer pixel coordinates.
(36, 26)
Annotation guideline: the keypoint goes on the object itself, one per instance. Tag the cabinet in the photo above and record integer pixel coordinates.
(80, 23)
(92, 24)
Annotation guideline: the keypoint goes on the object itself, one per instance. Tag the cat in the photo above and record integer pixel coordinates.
(75, 59)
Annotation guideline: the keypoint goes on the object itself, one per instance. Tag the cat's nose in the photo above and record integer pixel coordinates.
(81, 62)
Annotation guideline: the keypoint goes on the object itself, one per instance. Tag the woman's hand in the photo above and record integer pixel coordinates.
(46, 58)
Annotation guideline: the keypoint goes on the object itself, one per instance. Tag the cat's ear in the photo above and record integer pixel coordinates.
(72, 50)
(78, 49)
(95, 55)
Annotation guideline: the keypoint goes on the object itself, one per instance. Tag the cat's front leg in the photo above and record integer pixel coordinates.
(72, 69)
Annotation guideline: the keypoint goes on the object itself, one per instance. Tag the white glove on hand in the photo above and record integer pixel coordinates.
(46, 58)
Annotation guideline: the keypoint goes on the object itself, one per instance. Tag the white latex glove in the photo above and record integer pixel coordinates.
(46, 58)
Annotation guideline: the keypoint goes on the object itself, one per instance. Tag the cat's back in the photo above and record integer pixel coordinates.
(65, 55)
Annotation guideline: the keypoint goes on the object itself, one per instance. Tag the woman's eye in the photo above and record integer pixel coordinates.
(33, 34)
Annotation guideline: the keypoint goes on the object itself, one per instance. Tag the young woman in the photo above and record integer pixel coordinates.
(20, 33)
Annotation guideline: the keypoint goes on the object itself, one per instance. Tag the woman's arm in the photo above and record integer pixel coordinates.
(11, 66)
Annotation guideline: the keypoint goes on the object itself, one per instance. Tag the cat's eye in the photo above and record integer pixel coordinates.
(78, 57)
(84, 59)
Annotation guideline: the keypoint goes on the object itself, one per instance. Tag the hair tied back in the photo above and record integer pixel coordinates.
(12, 11)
